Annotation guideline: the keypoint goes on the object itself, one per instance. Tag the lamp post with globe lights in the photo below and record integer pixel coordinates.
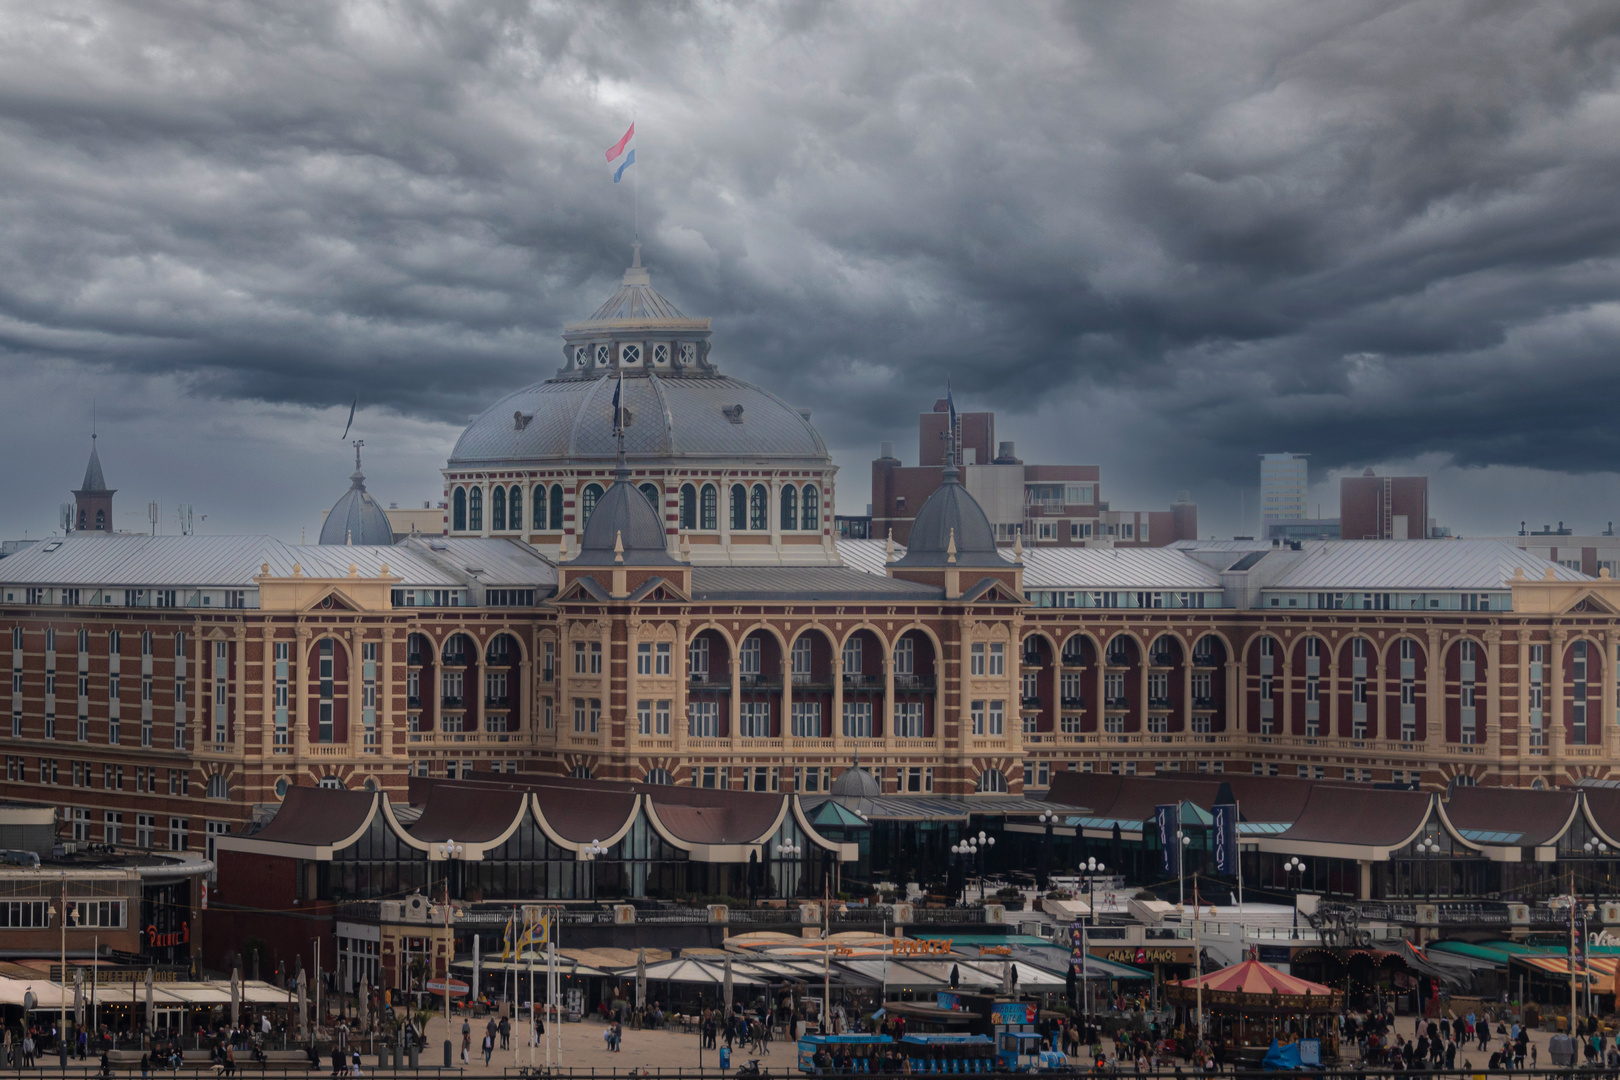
(984, 844)
(786, 852)
(1428, 848)
(964, 852)
(1295, 869)
(1042, 877)
(1089, 869)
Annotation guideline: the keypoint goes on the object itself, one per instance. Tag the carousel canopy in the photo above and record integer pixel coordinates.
(1253, 977)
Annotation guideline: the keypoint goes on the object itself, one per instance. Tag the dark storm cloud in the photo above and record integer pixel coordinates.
(1374, 231)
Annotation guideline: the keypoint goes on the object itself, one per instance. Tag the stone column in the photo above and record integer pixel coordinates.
(735, 708)
(1493, 692)
(836, 725)
(1434, 692)
(1285, 679)
(1605, 709)
(632, 685)
(1186, 693)
(1332, 684)
(525, 696)
(774, 510)
(1552, 681)
(357, 688)
(1236, 700)
(887, 717)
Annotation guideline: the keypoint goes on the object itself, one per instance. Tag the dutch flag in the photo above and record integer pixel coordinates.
(619, 148)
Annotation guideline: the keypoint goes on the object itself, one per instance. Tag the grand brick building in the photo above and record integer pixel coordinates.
(682, 614)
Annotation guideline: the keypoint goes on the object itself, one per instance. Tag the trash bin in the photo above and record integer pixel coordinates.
(725, 1058)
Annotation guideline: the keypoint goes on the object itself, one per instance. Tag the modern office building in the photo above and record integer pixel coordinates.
(1283, 483)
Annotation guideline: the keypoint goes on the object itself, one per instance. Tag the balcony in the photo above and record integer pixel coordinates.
(1205, 661)
(413, 701)
(1159, 704)
(700, 680)
(548, 674)
(500, 702)
(864, 683)
(1073, 701)
(1031, 660)
(451, 701)
(804, 680)
(457, 660)
(413, 659)
(1031, 701)
(913, 684)
(759, 682)
(1206, 703)
(1116, 703)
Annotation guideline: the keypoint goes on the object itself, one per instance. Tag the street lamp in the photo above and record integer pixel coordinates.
(964, 852)
(1292, 868)
(1090, 869)
(1042, 878)
(447, 851)
(67, 913)
(1427, 847)
(591, 852)
(1181, 866)
(985, 843)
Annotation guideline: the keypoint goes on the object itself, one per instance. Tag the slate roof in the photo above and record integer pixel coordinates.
(93, 480)
(356, 517)
(500, 562)
(318, 817)
(675, 417)
(1511, 817)
(951, 516)
(1415, 564)
(623, 519)
(1114, 568)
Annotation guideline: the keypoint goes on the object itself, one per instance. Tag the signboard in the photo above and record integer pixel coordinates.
(457, 987)
(946, 1000)
(1143, 956)
(1012, 1013)
(1274, 954)
(1310, 1052)
(1224, 835)
(1167, 822)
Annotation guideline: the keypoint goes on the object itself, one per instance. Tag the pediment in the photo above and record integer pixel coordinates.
(1590, 602)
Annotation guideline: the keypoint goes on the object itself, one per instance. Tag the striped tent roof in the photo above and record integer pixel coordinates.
(1253, 977)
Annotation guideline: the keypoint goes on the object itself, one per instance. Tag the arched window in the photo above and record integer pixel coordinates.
(219, 787)
(582, 772)
(790, 508)
(810, 511)
(458, 516)
(739, 508)
(759, 507)
(655, 498)
(992, 782)
(475, 510)
(556, 507)
(659, 776)
(540, 506)
(514, 507)
(587, 502)
(497, 508)
(688, 506)
(81, 521)
(333, 782)
(711, 508)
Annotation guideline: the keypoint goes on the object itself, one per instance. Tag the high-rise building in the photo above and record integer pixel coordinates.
(1282, 488)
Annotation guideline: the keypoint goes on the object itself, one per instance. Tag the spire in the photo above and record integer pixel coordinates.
(357, 479)
(950, 548)
(93, 479)
(618, 545)
(888, 548)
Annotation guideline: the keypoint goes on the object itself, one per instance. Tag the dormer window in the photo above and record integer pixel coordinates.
(629, 354)
(604, 354)
(582, 356)
(688, 353)
(660, 354)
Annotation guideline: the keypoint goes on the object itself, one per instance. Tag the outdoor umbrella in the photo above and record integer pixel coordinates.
(956, 976)
(725, 987)
(303, 1026)
(236, 996)
(1009, 979)
(641, 979)
(363, 1007)
(149, 1017)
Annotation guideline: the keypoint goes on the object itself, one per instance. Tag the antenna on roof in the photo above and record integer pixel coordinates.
(358, 443)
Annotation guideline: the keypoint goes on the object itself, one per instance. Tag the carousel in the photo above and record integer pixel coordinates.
(1249, 1005)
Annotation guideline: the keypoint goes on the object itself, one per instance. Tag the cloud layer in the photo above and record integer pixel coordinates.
(1161, 237)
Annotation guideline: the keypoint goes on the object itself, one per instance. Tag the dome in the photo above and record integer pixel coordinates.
(679, 405)
(951, 516)
(670, 417)
(625, 528)
(856, 783)
(357, 518)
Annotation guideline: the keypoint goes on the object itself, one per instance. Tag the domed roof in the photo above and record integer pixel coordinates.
(356, 517)
(625, 528)
(856, 783)
(691, 417)
(679, 404)
(951, 516)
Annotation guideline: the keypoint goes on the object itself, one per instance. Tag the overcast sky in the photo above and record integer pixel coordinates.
(1158, 237)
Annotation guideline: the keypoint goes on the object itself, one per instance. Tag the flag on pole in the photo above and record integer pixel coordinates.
(618, 405)
(619, 148)
(506, 937)
(950, 440)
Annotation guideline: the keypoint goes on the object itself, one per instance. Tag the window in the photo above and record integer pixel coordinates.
(739, 508)
(852, 656)
(580, 654)
(905, 657)
(754, 719)
(655, 498)
(644, 718)
(596, 658)
(689, 508)
(976, 659)
(998, 658)
(580, 717)
(810, 509)
(515, 507)
(748, 657)
(179, 834)
(539, 512)
(556, 509)
(908, 719)
(661, 718)
(458, 514)
(113, 826)
(977, 712)
(283, 652)
(759, 503)
(703, 720)
(662, 658)
(800, 659)
(997, 717)
(1537, 661)
(711, 508)
(1577, 696)
(807, 719)
(587, 502)
(644, 658)
(24, 914)
(219, 787)
(790, 508)
(326, 723)
(857, 719)
(145, 828)
(697, 660)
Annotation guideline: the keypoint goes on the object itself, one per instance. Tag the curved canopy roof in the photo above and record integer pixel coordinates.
(952, 529)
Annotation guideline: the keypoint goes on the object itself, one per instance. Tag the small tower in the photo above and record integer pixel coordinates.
(92, 502)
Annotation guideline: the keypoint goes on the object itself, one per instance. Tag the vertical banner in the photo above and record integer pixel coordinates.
(1226, 838)
(1167, 820)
